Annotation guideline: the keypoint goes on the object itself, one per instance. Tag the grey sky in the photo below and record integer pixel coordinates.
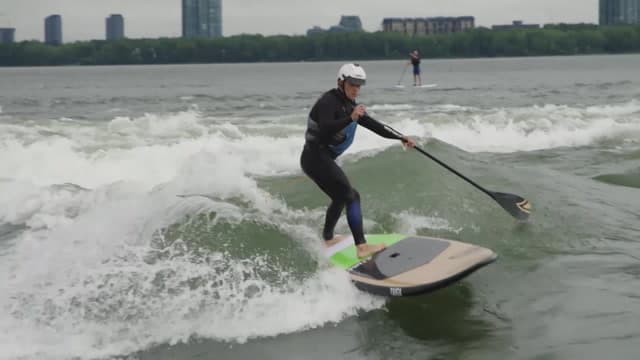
(85, 19)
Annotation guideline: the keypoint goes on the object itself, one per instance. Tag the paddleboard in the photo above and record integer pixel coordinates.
(423, 86)
(409, 265)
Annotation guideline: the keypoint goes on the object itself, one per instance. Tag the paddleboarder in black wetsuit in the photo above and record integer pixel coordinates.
(415, 61)
(331, 128)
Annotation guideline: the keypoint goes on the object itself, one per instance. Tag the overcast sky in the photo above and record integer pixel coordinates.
(85, 19)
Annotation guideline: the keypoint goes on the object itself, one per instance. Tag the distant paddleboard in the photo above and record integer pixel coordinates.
(423, 86)
(410, 265)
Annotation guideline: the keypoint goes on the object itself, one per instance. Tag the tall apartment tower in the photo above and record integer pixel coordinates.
(614, 12)
(7, 35)
(202, 18)
(115, 27)
(53, 30)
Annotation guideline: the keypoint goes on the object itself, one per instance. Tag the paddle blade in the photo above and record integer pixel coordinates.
(515, 205)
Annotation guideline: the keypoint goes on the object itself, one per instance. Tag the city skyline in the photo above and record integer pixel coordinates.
(84, 21)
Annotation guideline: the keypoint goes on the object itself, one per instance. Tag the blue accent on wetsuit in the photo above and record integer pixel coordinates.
(354, 213)
(350, 133)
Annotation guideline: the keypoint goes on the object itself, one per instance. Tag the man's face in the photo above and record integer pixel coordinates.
(351, 90)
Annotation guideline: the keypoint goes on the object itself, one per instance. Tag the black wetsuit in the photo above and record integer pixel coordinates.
(330, 131)
(415, 61)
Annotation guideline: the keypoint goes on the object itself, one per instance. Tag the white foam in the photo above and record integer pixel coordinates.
(390, 107)
(84, 286)
(149, 150)
(79, 282)
(505, 130)
(535, 128)
(449, 108)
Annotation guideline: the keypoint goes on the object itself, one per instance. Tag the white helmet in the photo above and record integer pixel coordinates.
(353, 73)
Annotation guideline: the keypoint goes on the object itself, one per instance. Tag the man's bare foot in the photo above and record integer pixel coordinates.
(364, 250)
(336, 239)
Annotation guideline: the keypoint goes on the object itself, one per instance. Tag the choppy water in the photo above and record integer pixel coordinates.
(100, 259)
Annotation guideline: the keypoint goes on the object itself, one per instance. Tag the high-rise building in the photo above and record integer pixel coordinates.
(430, 25)
(7, 35)
(202, 18)
(351, 22)
(115, 27)
(53, 30)
(348, 23)
(613, 12)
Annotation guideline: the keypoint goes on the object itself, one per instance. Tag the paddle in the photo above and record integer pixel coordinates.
(515, 205)
(402, 76)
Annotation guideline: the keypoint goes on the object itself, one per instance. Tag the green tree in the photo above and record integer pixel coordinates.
(560, 39)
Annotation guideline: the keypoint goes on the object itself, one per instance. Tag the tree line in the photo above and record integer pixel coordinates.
(479, 42)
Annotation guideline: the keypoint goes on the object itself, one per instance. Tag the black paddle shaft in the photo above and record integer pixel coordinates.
(454, 171)
(515, 205)
(402, 76)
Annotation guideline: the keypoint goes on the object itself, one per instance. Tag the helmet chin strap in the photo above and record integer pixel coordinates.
(341, 86)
